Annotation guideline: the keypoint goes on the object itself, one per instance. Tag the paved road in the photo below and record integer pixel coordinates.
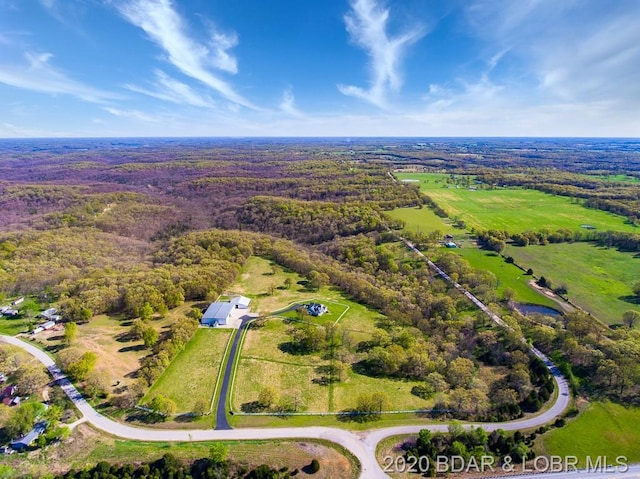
(362, 445)
(221, 408)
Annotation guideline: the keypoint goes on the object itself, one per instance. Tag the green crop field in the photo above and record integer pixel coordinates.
(512, 209)
(193, 374)
(598, 279)
(605, 429)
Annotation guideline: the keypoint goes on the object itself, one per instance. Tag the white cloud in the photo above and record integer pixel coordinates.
(165, 27)
(39, 75)
(367, 24)
(574, 51)
(288, 104)
(132, 114)
(170, 89)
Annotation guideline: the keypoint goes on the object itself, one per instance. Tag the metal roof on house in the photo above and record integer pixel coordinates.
(219, 311)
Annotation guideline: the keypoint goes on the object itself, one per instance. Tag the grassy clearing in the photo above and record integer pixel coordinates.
(89, 446)
(423, 220)
(511, 209)
(193, 374)
(262, 363)
(508, 275)
(604, 429)
(12, 326)
(598, 279)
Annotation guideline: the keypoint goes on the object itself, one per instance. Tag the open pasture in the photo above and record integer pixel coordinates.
(508, 275)
(598, 279)
(512, 209)
(193, 374)
(422, 220)
(604, 429)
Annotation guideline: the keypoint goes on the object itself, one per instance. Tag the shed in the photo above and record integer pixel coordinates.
(48, 325)
(451, 244)
(241, 302)
(217, 314)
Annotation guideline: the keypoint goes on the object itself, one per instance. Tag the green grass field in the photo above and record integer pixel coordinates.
(423, 220)
(508, 275)
(12, 327)
(512, 209)
(598, 279)
(605, 429)
(193, 374)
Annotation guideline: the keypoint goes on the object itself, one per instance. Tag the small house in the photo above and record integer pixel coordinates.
(317, 309)
(217, 314)
(50, 314)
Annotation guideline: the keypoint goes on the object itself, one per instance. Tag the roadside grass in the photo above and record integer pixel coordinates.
(193, 374)
(598, 279)
(87, 447)
(512, 209)
(508, 275)
(604, 429)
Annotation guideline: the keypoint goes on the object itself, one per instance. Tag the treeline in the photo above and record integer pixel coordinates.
(496, 240)
(215, 467)
(310, 221)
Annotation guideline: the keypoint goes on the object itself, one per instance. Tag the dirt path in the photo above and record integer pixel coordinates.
(566, 307)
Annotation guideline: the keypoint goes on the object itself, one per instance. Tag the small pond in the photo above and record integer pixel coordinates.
(537, 309)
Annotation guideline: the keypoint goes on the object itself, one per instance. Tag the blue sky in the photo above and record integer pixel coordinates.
(319, 68)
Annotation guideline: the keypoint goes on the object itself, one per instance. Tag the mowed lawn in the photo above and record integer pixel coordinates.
(605, 429)
(336, 312)
(193, 374)
(598, 279)
(513, 209)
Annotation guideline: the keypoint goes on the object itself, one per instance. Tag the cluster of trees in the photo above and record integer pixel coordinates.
(216, 466)
(310, 221)
(596, 359)
(474, 444)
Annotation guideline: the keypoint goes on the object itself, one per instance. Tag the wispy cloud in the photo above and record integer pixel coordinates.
(166, 28)
(132, 114)
(288, 104)
(169, 89)
(367, 24)
(39, 75)
(573, 50)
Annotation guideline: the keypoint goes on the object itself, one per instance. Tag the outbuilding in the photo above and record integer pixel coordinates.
(217, 314)
(241, 302)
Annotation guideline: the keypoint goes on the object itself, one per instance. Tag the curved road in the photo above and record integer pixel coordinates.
(361, 444)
